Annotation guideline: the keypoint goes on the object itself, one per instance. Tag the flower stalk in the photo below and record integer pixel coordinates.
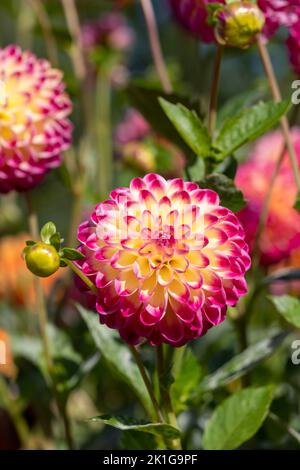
(267, 63)
(155, 45)
(212, 112)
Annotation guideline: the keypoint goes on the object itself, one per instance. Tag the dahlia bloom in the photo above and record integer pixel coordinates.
(133, 127)
(293, 44)
(109, 30)
(282, 230)
(34, 129)
(193, 15)
(166, 258)
(140, 147)
(16, 282)
(7, 365)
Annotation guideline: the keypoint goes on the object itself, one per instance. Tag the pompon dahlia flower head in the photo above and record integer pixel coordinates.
(281, 234)
(34, 129)
(167, 260)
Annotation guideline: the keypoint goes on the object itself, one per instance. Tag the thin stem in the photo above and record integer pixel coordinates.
(265, 210)
(73, 24)
(15, 413)
(266, 204)
(41, 307)
(104, 173)
(82, 276)
(45, 25)
(285, 426)
(80, 71)
(156, 49)
(42, 317)
(212, 114)
(266, 60)
(165, 399)
(139, 363)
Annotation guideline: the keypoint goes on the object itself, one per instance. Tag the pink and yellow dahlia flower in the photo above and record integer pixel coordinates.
(166, 258)
(34, 129)
(194, 14)
(281, 234)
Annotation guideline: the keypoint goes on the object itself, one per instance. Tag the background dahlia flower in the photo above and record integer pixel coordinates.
(167, 260)
(34, 129)
(282, 230)
(8, 369)
(293, 44)
(109, 30)
(146, 151)
(193, 15)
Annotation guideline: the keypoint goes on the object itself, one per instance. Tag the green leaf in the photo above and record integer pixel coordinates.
(47, 231)
(116, 354)
(288, 307)
(246, 126)
(135, 440)
(238, 418)
(242, 100)
(128, 424)
(185, 381)
(196, 170)
(56, 240)
(71, 254)
(30, 242)
(189, 126)
(231, 196)
(145, 99)
(297, 203)
(241, 364)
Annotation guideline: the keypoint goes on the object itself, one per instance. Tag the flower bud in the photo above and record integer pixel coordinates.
(238, 23)
(42, 259)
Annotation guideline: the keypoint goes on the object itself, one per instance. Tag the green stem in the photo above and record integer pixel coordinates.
(139, 363)
(42, 317)
(45, 24)
(156, 49)
(266, 60)
(80, 71)
(213, 100)
(82, 276)
(13, 408)
(104, 172)
(165, 398)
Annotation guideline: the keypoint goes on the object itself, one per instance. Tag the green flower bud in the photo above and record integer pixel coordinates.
(42, 259)
(238, 24)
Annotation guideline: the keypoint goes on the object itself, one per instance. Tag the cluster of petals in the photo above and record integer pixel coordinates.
(34, 129)
(281, 234)
(109, 30)
(167, 260)
(194, 14)
(293, 44)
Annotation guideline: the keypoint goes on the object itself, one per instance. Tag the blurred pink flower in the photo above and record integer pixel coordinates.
(282, 231)
(34, 129)
(109, 30)
(133, 127)
(193, 15)
(293, 44)
(139, 146)
(166, 258)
